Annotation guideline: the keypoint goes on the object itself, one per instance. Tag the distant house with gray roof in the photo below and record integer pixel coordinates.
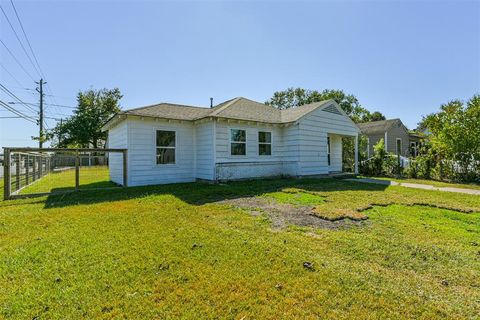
(236, 139)
(398, 139)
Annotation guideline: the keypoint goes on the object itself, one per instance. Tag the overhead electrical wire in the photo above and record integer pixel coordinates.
(5, 89)
(18, 113)
(41, 73)
(51, 104)
(28, 41)
(11, 75)
(12, 117)
(16, 60)
(20, 41)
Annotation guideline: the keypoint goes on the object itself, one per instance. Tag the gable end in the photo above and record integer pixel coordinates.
(332, 109)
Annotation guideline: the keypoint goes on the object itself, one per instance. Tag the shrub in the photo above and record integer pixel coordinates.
(412, 170)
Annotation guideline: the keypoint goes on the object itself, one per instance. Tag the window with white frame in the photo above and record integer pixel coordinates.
(165, 147)
(264, 143)
(399, 146)
(238, 142)
(328, 150)
(368, 147)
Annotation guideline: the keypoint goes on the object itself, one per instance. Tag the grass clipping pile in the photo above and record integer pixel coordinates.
(332, 210)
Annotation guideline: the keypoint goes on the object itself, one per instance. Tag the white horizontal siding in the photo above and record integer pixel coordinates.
(223, 143)
(291, 147)
(204, 150)
(117, 139)
(283, 160)
(143, 169)
(313, 131)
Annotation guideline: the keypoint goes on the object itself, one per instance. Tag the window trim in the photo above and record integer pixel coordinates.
(396, 146)
(368, 147)
(156, 147)
(329, 152)
(259, 143)
(230, 141)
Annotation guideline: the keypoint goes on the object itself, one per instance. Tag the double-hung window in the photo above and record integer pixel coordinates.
(264, 143)
(238, 142)
(165, 147)
(328, 151)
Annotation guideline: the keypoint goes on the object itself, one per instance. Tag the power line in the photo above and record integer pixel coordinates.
(28, 41)
(20, 41)
(16, 60)
(59, 114)
(52, 118)
(42, 74)
(51, 104)
(51, 95)
(61, 106)
(18, 113)
(11, 75)
(5, 89)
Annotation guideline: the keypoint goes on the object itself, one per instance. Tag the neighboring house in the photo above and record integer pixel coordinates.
(236, 139)
(398, 140)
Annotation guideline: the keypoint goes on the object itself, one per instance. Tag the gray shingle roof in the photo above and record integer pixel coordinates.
(293, 114)
(170, 111)
(377, 126)
(238, 108)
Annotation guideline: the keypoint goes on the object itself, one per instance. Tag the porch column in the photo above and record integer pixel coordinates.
(356, 154)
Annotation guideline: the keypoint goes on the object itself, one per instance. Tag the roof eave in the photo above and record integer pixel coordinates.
(116, 118)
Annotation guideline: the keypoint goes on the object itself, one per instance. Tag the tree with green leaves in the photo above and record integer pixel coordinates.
(83, 128)
(294, 97)
(455, 136)
(376, 116)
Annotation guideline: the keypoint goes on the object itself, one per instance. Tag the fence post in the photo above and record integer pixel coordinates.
(77, 170)
(26, 170)
(40, 166)
(34, 168)
(17, 171)
(6, 174)
(125, 177)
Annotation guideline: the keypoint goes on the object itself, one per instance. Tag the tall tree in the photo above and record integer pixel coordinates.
(294, 97)
(377, 116)
(455, 134)
(83, 129)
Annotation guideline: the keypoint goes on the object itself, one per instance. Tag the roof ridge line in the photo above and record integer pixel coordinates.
(217, 111)
(163, 103)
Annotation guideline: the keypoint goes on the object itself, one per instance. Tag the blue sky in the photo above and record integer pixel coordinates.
(401, 58)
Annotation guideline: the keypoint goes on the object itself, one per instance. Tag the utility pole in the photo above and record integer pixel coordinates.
(40, 90)
(60, 133)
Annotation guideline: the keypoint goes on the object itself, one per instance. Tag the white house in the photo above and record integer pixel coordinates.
(236, 139)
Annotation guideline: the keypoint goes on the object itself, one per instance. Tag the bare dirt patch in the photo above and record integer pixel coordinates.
(283, 214)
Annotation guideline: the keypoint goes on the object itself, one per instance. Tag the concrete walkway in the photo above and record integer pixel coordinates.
(416, 186)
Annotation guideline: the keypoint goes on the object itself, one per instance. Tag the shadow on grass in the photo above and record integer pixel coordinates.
(203, 193)
(87, 186)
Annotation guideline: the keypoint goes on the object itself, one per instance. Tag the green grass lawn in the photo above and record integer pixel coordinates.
(89, 177)
(432, 183)
(172, 252)
(295, 197)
